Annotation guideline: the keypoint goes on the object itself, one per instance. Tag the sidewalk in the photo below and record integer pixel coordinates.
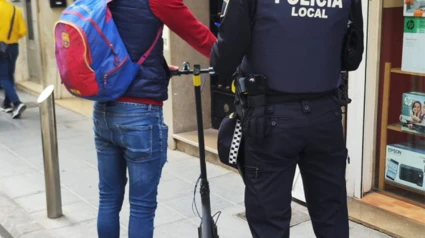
(22, 192)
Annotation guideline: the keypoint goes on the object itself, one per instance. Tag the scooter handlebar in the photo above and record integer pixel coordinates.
(210, 70)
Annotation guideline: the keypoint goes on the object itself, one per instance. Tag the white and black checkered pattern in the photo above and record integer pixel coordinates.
(236, 142)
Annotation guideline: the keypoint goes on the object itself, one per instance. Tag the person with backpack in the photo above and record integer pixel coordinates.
(12, 29)
(111, 52)
(289, 57)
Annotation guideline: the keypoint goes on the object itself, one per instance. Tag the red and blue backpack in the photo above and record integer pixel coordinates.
(92, 59)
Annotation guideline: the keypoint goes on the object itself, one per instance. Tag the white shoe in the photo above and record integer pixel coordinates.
(17, 112)
(7, 109)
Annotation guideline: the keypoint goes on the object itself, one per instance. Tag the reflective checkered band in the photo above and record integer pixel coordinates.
(236, 142)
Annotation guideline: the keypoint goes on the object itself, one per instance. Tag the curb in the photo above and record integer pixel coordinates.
(18, 222)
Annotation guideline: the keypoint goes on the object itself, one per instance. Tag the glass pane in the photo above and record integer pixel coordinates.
(400, 160)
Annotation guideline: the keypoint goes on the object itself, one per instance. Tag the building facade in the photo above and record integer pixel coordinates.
(373, 127)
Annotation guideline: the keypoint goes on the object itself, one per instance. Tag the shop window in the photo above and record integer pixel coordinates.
(400, 160)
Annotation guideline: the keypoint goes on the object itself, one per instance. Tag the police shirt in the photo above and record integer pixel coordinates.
(297, 44)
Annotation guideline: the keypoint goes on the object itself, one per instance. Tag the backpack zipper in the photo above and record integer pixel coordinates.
(105, 76)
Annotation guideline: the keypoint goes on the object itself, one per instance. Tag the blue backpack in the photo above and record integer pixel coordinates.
(92, 59)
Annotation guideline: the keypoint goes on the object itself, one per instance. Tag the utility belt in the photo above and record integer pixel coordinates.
(249, 121)
(252, 95)
(274, 98)
(250, 118)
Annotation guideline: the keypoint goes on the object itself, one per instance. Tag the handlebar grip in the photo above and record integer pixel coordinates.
(175, 73)
(187, 72)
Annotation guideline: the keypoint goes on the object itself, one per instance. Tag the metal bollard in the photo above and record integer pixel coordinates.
(46, 103)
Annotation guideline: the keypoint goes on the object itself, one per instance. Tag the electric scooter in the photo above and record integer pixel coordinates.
(207, 229)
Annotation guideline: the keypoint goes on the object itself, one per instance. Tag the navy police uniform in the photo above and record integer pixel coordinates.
(300, 47)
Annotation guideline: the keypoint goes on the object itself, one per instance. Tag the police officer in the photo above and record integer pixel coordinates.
(300, 47)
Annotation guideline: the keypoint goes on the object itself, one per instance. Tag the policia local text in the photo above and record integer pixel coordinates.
(313, 12)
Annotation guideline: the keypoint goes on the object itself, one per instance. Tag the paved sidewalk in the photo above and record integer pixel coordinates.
(22, 191)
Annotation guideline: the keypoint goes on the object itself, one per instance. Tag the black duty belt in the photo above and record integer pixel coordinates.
(260, 100)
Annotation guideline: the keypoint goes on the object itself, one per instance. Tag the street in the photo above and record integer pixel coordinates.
(23, 200)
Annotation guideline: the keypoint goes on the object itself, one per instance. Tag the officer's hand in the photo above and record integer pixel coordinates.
(173, 67)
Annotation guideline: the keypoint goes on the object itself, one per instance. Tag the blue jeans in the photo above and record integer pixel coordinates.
(7, 72)
(129, 136)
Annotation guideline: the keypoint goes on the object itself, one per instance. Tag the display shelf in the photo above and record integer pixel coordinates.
(399, 71)
(385, 126)
(397, 127)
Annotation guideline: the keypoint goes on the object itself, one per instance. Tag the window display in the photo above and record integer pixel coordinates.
(412, 116)
(413, 45)
(414, 8)
(405, 165)
(400, 161)
(402, 145)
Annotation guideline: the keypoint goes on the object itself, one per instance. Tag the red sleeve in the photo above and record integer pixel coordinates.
(177, 16)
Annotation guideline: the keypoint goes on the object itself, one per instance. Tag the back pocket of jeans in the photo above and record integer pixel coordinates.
(137, 142)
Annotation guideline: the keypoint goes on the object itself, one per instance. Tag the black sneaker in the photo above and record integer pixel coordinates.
(17, 112)
(8, 109)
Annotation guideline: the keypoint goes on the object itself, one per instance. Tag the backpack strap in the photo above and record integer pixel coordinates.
(12, 23)
(148, 52)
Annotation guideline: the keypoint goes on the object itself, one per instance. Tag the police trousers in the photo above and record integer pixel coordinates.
(310, 134)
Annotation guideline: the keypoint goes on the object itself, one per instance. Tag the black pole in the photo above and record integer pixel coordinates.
(207, 229)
